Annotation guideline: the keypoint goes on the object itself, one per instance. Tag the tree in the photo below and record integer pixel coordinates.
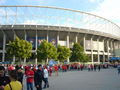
(46, 51)
(78, 54)
(63, 53)
(85, 58)
(19, 48)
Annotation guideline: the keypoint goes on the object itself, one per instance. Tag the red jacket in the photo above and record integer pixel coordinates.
(30, 75)
(56, 68)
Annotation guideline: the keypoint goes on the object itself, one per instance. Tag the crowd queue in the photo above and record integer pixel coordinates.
(11, 76)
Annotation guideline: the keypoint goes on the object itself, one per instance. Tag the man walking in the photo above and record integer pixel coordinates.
(30, 78)
(46, 77)
(38, 77)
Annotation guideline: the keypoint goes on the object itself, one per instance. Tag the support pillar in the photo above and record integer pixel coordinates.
(112, 47)
(108, 49)
(4, 44)
(14, 56)
(47, 41)
(25, 39)
(92, 50)
(36, 44)
(84, 44)
(47, 37)
(104, 51)
(98, 50)
(68, 45)
(76, 38)
(57, 38)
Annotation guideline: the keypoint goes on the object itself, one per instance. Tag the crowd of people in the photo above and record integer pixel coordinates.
(11, 76)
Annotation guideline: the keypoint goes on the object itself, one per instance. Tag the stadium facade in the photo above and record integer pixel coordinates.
(99, 36)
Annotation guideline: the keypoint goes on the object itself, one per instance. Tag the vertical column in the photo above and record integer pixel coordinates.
(25, 36)
(36, 43)
(92, 50)
(14, 36)
(58, 41)
(36, 40)
(76, 38)
(84, 43)
(68, 45)
(47, 41)
(68, 40)
(114, 47)
(4, 44)
(104, 51)
(14, 56)
(111, 49)
(57, 38)
(98, 50)
(108, 49)
(117, 44)
(47, 37)
(25, 39)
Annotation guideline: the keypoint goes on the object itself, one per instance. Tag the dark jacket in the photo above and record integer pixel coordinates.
(38, 77)
(4, 80)
(20, 76)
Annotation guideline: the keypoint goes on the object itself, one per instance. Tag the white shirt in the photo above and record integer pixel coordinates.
(45, 73)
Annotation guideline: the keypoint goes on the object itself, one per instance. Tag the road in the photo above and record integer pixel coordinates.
(106, 79)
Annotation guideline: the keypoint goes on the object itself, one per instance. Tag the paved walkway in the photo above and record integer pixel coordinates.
(106, 79)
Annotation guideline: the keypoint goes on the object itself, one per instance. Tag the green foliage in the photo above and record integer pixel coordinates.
(19, 48)
(46, 50)
(63, 53)
(84, 58)
(78, 54)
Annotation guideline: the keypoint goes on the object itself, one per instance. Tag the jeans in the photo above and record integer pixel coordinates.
(29, 86)
(40, 86)
(46, 82)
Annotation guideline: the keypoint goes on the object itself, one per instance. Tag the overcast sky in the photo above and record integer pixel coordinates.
(109, 9)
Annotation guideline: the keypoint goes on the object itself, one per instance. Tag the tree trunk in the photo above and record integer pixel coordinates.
(36, 61)
(46, 61)
(24, 61)
(13, 60)
(20, 61)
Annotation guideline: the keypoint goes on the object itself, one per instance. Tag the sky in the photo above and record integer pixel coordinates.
(109, 9)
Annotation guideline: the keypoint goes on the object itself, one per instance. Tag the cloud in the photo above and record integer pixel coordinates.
(31, 22)
(109, 9)
(2, 1)
(35, 2)
(92, 1)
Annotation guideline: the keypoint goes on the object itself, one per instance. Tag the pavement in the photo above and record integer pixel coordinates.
(106, 79)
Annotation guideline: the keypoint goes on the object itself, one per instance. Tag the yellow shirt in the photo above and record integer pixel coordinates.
(15, 85)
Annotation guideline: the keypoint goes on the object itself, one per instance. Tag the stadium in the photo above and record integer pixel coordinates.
(99, 37)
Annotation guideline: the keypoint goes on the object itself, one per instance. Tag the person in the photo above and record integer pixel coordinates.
(30, 78)
(20, 74)
(89, 68)
(4, 80)
(94, 67)
(118, 68)
(50, 71)
(99, 67)
(11, 67)
(56, 69)
(46, 78)
(14, 84)
(38, 77)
